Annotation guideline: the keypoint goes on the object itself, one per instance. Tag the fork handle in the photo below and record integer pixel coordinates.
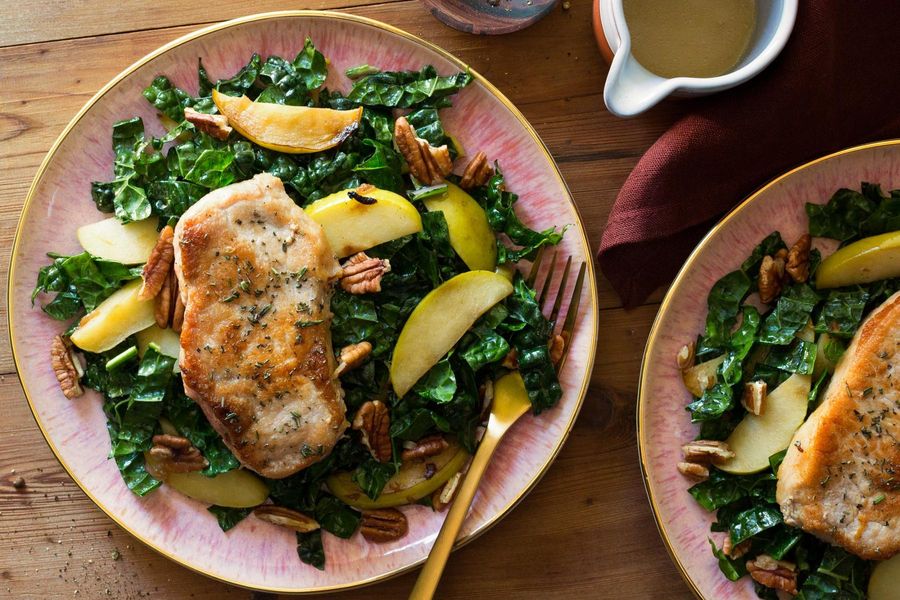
(430, 575)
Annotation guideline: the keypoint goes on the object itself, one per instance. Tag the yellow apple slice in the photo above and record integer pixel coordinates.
(352, 226)
(470, 234)
(409, 484)
(168, 341)
(701, 377)
(237, 488)
(117, 317)
(757, 437)
(440, 320)
(863, 261)
(129, 244)
(291, 129)
(884, 584)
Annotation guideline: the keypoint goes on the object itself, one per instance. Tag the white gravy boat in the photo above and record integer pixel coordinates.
(631, 89)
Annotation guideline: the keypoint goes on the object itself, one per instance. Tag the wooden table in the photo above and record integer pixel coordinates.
(585, 532)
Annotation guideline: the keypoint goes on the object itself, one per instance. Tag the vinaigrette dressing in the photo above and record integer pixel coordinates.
(690, 38)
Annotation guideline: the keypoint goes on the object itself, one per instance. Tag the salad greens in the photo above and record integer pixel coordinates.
(163, 176)
(769, 347)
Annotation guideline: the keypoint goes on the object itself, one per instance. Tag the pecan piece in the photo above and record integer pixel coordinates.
(373, 421)
(705, 451)
(66, 366)
(352, 356)
(177, 318)
(214, 125)
(557, 348)
(442, 498)
(477, 172)
(797, 265)
(775, 574)
(163, 302)
(285, 517)
(427, 164)
(695, 471)
(686, 357)
(158, 265)
(175, 454)
(771, 274)
(362, 275)
(754, 396)
(425, 448)
(732, 551)
(383, 525)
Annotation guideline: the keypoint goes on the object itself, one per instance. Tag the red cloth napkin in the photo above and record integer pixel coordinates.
(836, 84)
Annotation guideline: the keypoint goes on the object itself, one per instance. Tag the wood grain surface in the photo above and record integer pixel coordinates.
(586, 531)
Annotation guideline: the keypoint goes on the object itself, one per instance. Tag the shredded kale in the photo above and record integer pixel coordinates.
(310, 549)
(229, 517)
(80, 282)
(407, 89)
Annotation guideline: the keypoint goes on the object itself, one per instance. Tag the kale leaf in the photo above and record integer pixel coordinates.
(310, 549)
(229, 517)
(80, 282)
(793, 311)
(407, 89)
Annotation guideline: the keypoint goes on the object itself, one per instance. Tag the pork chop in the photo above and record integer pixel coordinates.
(255, 275)
(840, 479)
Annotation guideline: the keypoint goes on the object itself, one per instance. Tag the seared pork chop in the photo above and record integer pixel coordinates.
(256, 276)
(840, 479)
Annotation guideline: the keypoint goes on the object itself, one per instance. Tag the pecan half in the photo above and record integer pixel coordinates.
(373, 421)
(557, 348)
(695, 471)
(477, 172)
(162, 310)
(425, 448)
(775, 574)
(352, 356)
(158, 265)
(797, 265)
(362, 275)
(383, 525)
(735, 551)
(771, 274)
(285, 517)
(66, 366)
(754, 396)
(442, 498)
(214, 125)
(705, 451)
(686, 357)
(427, 164)
(175, 454)
(177, 310)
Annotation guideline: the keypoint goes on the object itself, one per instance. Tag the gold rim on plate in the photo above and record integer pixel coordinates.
(652, 339)
(319, 14)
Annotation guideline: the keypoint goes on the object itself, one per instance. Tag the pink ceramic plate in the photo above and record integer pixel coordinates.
(663, 423)
(256, 554)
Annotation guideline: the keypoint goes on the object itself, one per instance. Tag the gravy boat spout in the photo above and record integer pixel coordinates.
(630, 88)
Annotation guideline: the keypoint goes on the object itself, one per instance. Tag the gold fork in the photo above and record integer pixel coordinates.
(510, 402)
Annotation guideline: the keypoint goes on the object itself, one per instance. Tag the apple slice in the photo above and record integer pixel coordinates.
(129, 244)
(701, 377)
(411, 483)
(470, 233)
(168, 341)
(352, 226)
(290, 129)
(757, 437)
(863, 261)
(117, 317)
(884, 584)
(237, 488)
(440, 320)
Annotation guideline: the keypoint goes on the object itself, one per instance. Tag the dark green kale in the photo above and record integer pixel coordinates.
(185, 415)
(229, 517)
(80, 282)
(842, 312)
(310, 549)
(499, 203)
(792, 313)
(850, 215)
(407, 89)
